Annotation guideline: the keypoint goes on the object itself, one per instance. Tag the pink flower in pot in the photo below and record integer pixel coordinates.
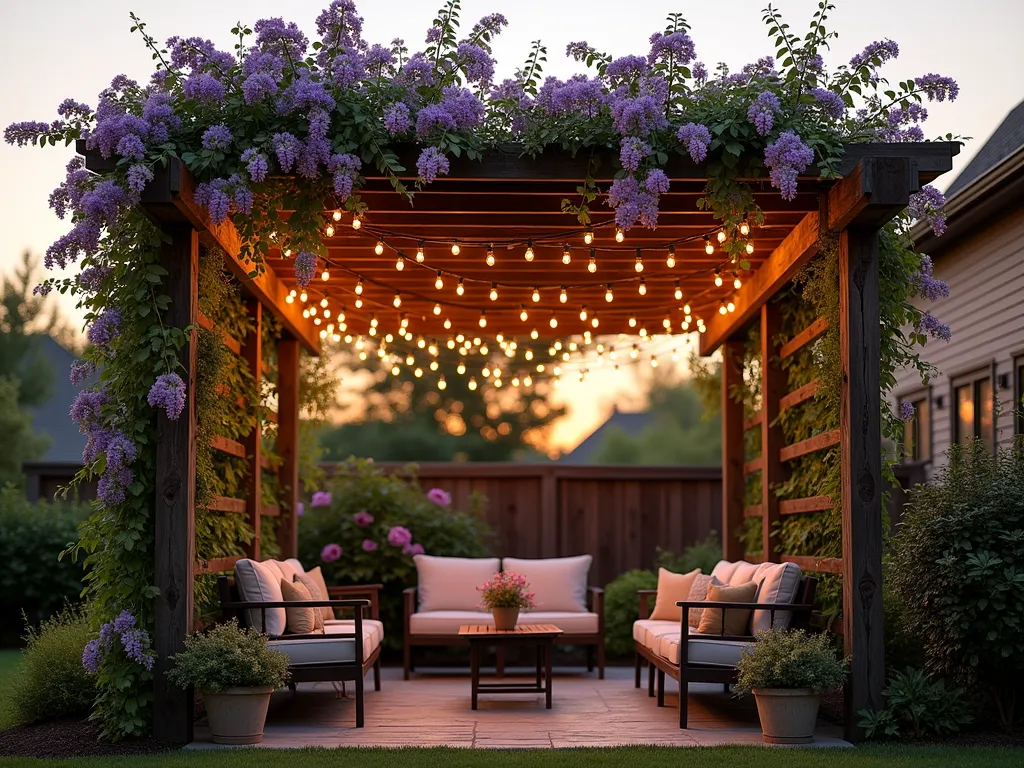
(330, 553)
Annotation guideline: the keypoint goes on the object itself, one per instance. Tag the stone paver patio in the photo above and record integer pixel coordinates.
(433, 709)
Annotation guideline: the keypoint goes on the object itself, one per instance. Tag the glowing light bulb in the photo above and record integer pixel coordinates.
(325, 275)
(527, 380)
(619, 235)
(323, 302)
(632, 322)
(553, 322)
(336, 215)
(472, 383)
(485, 372)
(654, 362)
(483, 319)
(722, 309)
(439, 282)
(356, 222)
(490, 256)
(736, 282)
(721, 235)
(634, 352)
(437, 310)
(686, 308)
(419, 252)
(493, 295)
(608, 295)
(639, 264)
(418, 373)
(583, 312)
(563, 296)
(709, 249)
(290, 298)
(594, 322)
(745, 226)
(536, 295)
(461, 368)
(529, 251)
(534, 334)
(588, 236)
(592, 264)
(679, 292)
(460, 288)
(750, 247)
(441, 383)
(312, 310)
(405, 322)
(421, 342)
(359, 287)
(400, 263)
(566, 254)
(456, 250)
(395, 370)
(718, 279)
(670, 260)
(642, 288)
(303, 297)
(379, 247)
(529, 354)
(522, 313)
(447, 324)
(329, 230)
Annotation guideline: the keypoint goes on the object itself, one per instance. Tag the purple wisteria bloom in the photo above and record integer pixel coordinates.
(579, 95)
(103, 329)
(92, 656)
(431, 164)
(80, 371)
(86, 410)
(787, 157)
(138, 177)
(625, 69)
(476, 63)
(379, 58)
(283, 39)
(287, 149)
(418, 71)
(933, 327)
(204, 88)
(305, 266)
(362, 519)
(397, 119)
(91, 279)
(639, 116)
(439, 496)
(255, 164)
(300, 509)
(633, 203)
(321, 499)
(24, 133)
(121, 453)
(344, 170)
(676, 47)
(399, 536)
(937, 87)
(168, 393)
(369, 545)
(762, 112)
(832, 103)
(330, 553)
(657, 182)
(697, 139)
(927, 205)
(216, 197)
(699, 72)
(413, 549)
(217, 137)
(124, 621)
(906, 412)
(925, 285)
(136, 644)
(633, 152)
(875, 53)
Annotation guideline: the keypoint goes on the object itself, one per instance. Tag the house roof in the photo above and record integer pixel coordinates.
(51, 418)
(630, 423)
(1007, 139)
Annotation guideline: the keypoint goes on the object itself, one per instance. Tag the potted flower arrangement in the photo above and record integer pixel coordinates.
(787, 670)
(504, 595)
(236, 671)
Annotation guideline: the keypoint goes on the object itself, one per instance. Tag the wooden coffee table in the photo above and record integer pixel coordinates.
(542, 636)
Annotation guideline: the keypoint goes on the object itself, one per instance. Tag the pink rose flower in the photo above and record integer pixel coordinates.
(369, 545)
(399, 536)
(362, 519)
(413, 549)
(321, 498)
(330, 553)
(300, 509)
(439, 496)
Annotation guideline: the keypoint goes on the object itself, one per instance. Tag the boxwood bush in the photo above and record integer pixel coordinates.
(958, 571)
(621, 606)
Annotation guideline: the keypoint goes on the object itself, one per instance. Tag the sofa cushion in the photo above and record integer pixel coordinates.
(319, 650)
(721, 621)
(295, 564)
(260, 583)
(648, 632)
(699, 591)
(314, 582)
(724, 653)
(557, 583)
(448, 622)
(723, 570)
(450, 583)
(288, 571)
(300, 620)
(778, 583)
(672, 587)
(372, 624)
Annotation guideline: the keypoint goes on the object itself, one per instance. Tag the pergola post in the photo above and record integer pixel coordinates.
(288, 445)
(773, 389)
(174, 508)
(252, 353)
(861, 438)
(733, 480)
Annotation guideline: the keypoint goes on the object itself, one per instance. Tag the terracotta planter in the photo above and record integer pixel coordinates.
(505, 618)
(788, 715)
(237, 715)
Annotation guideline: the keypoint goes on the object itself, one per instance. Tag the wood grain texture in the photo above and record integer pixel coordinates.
(486, 630)
(773, 389)
(807, 335)
(228, 446)
(797, 396)
(733, 468)
(810, 445)
(175, 454)
(216, 564)
(806, 504)
(252, 354)
(226, 504)
(815, 564)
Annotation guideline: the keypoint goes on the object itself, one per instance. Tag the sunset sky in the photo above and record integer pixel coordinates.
(54, 50)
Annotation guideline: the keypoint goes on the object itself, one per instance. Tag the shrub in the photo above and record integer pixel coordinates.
(790, 658)
(51, 682)
(367, 526)
(959, 573)
(227, 656)
(621, 607)
(32, 581)
(704, 555)
(917, 705)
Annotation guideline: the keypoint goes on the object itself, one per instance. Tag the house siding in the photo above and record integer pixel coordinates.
(985, 312)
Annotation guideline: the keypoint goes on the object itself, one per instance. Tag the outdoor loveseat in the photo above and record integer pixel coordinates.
(783, 598)
(342, 650)
(446, 598)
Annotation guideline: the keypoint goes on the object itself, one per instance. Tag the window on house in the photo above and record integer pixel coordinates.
(917, 432)
(974, 418)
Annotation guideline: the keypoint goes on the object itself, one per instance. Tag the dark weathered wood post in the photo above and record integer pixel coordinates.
(733, 481)
(773, 388)
(288, 444)
(252, 353)
(174, 551)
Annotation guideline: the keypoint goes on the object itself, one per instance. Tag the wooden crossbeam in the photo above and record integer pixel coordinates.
(753, 510)
(810, 445)
(807, 335)
(812, 564)
(225, 504)
(270, 416)
(216, 564)
(807, 504)
(268, 463)
(797, 396)
(754, 465)
(226, 445)
(270, 510)
(753, 421)
(229, 342)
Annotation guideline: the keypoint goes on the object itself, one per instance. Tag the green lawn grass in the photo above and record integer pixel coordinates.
(9, 661)
(648, 757)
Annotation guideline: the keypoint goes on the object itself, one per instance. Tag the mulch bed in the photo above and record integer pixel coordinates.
(70, 738)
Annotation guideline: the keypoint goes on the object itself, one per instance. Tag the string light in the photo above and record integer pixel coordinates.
(639, 265)
(490, 256)
(456, 250)
(483, 319)
(303, 297)
(441, 383)
(527, 380)
(619, 235)
(325, 275)
(642, 288)
(730, 307)
(534, 334)
(398, 300)
(357, 221)
(461, 368)
(718, 279)
(670, 260)
(745, 226)
(290, 298)
(588, 236)
(439, 282)
(522, 313)
(721, 235)
(329, 230)
(336, 215)
(566, 254)
(379, 247)
(447, 324)
(529, 250)
(437, 310)
(359, 288)
(594, 321)
(736, 282)
(679, 292)
(536, 295)
(323, 302)
(461, 288)
(472, 383)
(563, 296)
(553, 322)
(419, 252)
(632, 322)
(722, 309)
(686, 309)
(750, 247)
(400, 263)
(583, 313)
(493, 295)
(592, 264)
(709, 249)
(608, 295)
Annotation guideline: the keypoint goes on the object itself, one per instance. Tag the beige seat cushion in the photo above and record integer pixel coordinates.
(724, 653)
(736, 621)
(699, 591)
(260, 583)
(448, 622)
(300, 621)
(286, 568)
(314, 582)
(295, 564)
(318, 650)
(648, 632)
(373, 624)
(450, 583)
(558, 583)
(672, 587)
(777, 583)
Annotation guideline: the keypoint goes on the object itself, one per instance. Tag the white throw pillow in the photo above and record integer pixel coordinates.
(557, 583)
(779, 583)
(295, 564)
(723, 570)
(286, 568)
(260, 583)
(450, 583)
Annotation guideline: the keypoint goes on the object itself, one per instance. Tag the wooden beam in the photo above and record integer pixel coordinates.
(753, 510)
(216, 565)
(288, 445)
(807, 504)
(861, 467)
(753, 421)
(810, 445)
(875, 190)
(175, 458)
(812, 564)
(270, 510)
(252, 353)
(797, 396)
(733, 480)
(808, 334)
(754, 465)
(796, 250)
(773, 389)
(227, 504)
(225, 445)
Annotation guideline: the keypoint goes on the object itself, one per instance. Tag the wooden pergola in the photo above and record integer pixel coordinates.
(507, 199)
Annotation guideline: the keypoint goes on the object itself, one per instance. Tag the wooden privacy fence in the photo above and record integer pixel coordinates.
(618, 514)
